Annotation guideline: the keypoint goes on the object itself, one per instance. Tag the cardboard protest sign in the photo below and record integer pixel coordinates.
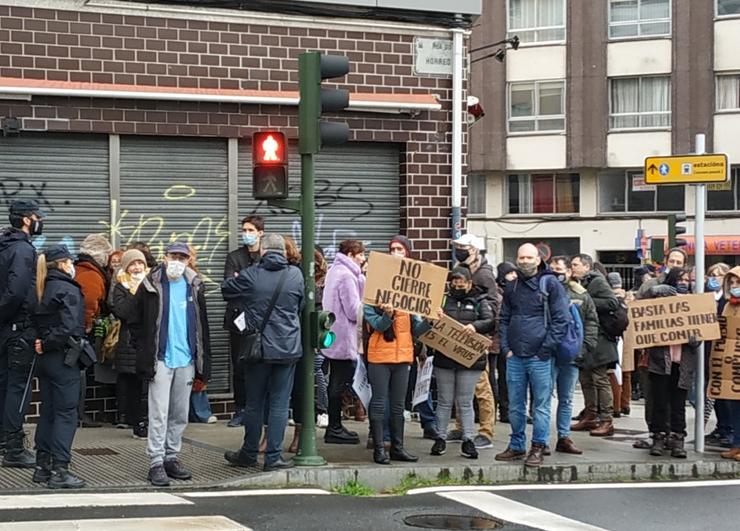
(408, 285)
(448, 337)
(671, 320)
(423, 382)
(724, 362)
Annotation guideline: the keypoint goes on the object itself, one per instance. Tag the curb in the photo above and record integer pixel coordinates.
(388, 477)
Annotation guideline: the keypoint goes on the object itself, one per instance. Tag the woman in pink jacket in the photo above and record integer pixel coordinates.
(343, 292)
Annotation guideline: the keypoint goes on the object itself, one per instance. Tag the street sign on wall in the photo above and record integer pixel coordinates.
(687, 169)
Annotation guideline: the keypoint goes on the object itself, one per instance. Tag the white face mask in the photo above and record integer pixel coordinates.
(71, 271)
(175, 269)
(139, 276)
(400, 254)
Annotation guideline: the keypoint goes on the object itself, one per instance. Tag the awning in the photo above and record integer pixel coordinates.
(727, 245)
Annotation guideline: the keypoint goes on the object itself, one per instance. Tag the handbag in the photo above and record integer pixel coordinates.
(250, 348)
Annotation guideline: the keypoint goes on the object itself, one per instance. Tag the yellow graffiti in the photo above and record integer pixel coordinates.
(178, 192)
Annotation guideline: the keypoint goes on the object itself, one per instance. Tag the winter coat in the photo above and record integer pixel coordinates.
(605, 301)
(252, 291)
(344, 287)
(522, 323)
(400, 349)
(659, 362)
(94, 281)
(123, 306)
(484, 279)
(17, 277)
(61, 312)
(150, 303)
(473, 309)
(237, 260)
(590, 319)
(496, 309)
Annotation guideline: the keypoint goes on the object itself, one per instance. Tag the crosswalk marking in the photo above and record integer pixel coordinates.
(175, 523)
(253, 492)
(56, 501)
(517, 513)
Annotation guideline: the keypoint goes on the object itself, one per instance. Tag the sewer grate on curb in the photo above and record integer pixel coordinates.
(452, 522)
(94, 451)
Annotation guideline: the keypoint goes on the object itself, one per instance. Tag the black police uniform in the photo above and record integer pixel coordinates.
(61, 316)
(17, 335)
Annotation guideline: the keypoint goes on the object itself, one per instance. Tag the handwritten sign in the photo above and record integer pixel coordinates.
(448, 337)
(408, 285)
(671, 320)
(361, 385)
(724, 362)
(423, 382)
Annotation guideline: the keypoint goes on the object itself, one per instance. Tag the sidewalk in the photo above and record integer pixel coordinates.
(109, 459)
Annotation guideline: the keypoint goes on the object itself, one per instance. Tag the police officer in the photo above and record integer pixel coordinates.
(17, 335)
(61, 323)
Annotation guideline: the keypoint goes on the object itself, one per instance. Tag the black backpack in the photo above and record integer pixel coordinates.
(615, 322)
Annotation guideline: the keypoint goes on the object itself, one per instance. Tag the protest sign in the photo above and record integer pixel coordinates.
(361, 385)
(423, 382)
(724, 362)
(408, 285)
(671, 320)
(448, 337)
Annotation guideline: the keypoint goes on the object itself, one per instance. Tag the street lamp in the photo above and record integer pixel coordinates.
(499, 54)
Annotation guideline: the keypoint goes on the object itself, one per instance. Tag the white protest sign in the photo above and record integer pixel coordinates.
(361, 385)
(423, 382)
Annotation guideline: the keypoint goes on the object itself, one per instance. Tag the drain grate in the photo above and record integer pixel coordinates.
(95, 451)
(452, 521)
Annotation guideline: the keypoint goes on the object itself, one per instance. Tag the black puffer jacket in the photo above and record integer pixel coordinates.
(123, 306)
(61, 313)
(474, 308)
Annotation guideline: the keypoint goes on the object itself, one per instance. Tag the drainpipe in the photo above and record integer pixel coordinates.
(457, 107)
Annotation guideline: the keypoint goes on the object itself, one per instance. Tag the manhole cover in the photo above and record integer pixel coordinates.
(95, 451)
(452, 521)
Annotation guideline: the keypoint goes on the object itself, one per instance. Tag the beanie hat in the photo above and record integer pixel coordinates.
(57, 252)
(98, 247)
(404, 241)
(503, 269)
(614, 279)
(130, 256)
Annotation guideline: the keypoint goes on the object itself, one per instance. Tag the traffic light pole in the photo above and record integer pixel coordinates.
(701, 197)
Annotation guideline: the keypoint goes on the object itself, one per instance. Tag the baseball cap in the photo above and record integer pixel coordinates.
(57, 252)
(179, 248)
(26, 207)
(470, 240)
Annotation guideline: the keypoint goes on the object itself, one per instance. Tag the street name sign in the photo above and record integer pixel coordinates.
(687, 169)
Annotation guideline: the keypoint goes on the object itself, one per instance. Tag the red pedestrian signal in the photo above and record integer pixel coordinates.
(269, 165)
(268, 148)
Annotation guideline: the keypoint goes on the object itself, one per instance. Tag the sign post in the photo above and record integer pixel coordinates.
(701, 196)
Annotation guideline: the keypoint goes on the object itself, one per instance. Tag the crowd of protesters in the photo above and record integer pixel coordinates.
(142, 326)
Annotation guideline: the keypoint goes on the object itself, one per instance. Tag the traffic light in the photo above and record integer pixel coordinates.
(315, 133)
(269, 165)
(657, 251)
(322, 336)
(676, 227)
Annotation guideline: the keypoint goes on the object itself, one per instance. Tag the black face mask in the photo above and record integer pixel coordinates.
(462, 254)
(458, 294)
(683, 289)
(37, 227)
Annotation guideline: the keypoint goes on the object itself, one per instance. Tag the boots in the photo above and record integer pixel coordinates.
(380, 455)
(398, 453)
(62, 478)
(42, 474)
(605, 429)
(295, 443)
(659, 440)
(360, 413)
(675, 444)
(336, 433)
(589, 421)
(2, 442)
(16, 455)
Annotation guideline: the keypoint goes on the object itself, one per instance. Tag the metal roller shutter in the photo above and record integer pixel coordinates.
(67, 174)
(177, 189)
(357, 188)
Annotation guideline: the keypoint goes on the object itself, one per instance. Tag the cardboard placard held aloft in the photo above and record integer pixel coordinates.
(724, 362)
(671, 320)
(448, 337)
(409, 285)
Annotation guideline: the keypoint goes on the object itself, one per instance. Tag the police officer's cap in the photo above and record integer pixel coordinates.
(57, 252)
(25, 207)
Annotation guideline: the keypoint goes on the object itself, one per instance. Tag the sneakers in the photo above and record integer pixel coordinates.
(140, 431)
(174, 469)
(536, 456)
(237, 420)
(454, 436)
(322, 420)
(158, 477)
(439, 447)
(510, 455)
(212, 419)
(62, 478)
(468, 449)
(482, 442)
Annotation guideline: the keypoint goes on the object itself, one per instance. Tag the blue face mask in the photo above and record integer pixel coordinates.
(713, 284)
(249, 239)
(735, 292)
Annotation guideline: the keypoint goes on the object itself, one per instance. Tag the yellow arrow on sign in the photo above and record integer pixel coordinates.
(687, 169)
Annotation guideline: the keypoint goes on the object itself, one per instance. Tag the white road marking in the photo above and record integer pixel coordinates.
(176, 523)
(578, 486)
(253, 492)
(56, 501)
(518, 513)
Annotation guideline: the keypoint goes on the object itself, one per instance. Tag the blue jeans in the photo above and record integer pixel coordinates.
(520, 372)
(265, 382)
(734, 408)
(564, 380)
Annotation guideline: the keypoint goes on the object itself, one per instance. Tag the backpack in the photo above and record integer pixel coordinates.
(615, 322)
(570, 345)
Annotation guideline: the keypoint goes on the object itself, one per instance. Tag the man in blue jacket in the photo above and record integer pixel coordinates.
(529, 339)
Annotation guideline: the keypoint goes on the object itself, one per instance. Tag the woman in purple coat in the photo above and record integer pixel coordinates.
(343, 291)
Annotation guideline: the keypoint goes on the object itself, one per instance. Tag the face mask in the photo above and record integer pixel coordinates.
(71, 271)
(400, 254)
(561, 278)
(249, 239)
(528, 270)
(37, 227)
(462, 254)
(175, 269)
(713, 284)
(682, 289)
(735, 292)
(457, 293)
(138, 276)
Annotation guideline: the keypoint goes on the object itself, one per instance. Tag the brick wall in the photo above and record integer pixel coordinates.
(95, 47)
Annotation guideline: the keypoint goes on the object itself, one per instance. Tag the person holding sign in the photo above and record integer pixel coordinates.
(731, 288)
(455, 382)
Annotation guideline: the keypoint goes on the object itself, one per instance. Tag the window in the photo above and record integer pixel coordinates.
(537, 20)
(639, 18)
(544, 193)
(626, 191)
(728, 92)
(640, 102)
(537, 106)
(728, 7)
(724, 196)
(476, 194)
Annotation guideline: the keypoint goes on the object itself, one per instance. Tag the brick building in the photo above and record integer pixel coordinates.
(135, 119)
